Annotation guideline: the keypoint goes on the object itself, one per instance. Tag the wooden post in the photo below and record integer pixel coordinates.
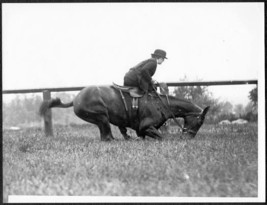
(48, 115)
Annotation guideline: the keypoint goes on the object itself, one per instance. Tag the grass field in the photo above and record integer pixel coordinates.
(219, 162)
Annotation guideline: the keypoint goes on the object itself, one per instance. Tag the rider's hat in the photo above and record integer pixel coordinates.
(159, 53)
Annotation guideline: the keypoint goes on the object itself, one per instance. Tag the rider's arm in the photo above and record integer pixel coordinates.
(148, 70)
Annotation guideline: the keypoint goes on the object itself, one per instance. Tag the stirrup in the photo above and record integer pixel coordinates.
(135, 103)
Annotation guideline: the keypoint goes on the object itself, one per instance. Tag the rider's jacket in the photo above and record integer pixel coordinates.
(141, 74)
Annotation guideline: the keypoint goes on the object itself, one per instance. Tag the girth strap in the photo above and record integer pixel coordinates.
(129, 112)
(125, 105)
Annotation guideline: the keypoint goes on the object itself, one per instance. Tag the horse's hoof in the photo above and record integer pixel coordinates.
(141, 136)
(127, 137)
(107, 139)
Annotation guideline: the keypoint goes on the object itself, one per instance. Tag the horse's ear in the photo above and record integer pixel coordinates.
(204, 112)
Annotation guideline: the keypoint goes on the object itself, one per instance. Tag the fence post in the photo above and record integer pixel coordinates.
(48, 115)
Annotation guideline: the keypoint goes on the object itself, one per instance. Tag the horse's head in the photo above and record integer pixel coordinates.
(192, 123)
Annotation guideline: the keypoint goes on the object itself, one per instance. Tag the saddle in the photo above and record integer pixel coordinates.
(134, 92)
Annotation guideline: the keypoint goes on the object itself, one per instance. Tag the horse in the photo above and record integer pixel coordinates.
(102, 105)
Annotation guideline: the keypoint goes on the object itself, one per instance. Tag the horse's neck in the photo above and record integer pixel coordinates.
(179, 107)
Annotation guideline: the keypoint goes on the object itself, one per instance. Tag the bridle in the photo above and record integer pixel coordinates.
(184, 130)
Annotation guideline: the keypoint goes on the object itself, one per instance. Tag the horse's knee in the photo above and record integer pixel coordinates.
(145, 124)
(153, 132)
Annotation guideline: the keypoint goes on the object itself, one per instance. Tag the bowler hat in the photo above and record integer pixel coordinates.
(159, 53)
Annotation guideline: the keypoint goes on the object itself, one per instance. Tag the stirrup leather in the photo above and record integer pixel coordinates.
(135, 103)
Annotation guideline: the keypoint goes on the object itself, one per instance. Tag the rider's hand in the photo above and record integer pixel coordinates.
(155, 82)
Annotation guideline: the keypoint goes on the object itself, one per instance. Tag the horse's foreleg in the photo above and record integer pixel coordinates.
(153, 132)
(146, 128)
(123, 131)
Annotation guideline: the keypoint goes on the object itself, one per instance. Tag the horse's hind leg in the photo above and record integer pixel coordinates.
(101, 120)
(123, 131)
(104, 127)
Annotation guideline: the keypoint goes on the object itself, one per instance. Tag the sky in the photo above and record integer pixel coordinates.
(80, 44)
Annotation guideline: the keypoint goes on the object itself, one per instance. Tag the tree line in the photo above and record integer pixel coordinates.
(219, 110)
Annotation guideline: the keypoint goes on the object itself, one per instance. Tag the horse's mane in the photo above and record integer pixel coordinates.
(189, 104)
(177, 98)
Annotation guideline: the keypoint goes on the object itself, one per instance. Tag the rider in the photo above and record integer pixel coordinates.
(141, 75)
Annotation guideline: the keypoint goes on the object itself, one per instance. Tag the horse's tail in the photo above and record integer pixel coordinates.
(53, 103)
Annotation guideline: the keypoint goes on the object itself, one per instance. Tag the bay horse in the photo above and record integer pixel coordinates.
(102, 105)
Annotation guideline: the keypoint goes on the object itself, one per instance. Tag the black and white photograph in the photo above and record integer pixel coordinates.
(133, 102)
